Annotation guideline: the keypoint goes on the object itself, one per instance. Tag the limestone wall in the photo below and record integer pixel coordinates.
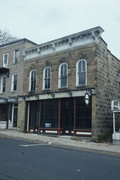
(70, 57)
(106, 86)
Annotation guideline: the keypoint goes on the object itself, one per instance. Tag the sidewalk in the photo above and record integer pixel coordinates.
(64, 141)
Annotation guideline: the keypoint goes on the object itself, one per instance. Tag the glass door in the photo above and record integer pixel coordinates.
(67, 114)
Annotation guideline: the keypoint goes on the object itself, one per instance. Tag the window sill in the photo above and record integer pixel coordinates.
(2, 92)
(31, 92)
(13, 91)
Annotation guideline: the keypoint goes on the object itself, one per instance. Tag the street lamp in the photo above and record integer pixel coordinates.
(87, 99)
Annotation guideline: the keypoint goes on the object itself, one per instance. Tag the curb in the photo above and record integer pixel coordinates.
(63, 142)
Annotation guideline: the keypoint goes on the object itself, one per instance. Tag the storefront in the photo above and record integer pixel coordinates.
(61, 115)
(3, 115)
(8, 113)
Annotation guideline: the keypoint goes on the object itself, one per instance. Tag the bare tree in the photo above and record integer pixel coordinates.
(6, 37)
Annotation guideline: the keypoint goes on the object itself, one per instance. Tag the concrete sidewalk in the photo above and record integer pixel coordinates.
(64, 141)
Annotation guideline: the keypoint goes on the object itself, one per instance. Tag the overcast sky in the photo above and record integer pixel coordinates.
(44, 20)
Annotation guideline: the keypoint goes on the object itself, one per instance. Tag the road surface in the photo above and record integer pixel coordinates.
(23, 160)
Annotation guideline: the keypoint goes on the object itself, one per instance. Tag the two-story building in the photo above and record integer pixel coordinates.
(69, 84)
(66, 85)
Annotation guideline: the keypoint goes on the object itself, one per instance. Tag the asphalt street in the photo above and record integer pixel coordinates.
(23, 160)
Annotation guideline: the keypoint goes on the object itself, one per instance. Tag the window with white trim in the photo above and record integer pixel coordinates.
(47, 78)
(14, 82)
(81, 73)
(16, 56)
(32, 81)
(63, 76)
(3, 84)
(5, 60)
(118, 80)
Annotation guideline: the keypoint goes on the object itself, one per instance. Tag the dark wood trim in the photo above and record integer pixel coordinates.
(74, 113)
(59, 115)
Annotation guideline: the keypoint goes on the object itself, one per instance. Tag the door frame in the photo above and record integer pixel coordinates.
(12, 116)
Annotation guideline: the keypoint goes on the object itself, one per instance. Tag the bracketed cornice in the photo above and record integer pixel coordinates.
(68, 42)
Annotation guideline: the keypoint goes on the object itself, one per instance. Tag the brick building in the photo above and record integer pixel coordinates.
(67, 85)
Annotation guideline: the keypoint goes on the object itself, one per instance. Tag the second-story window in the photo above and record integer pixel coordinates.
(118, 80)
(16, 56)
(5, 60)
(14, 82)
(32, 81)
(47, 78)
(3, 84)
(63, 76)
(81, 73)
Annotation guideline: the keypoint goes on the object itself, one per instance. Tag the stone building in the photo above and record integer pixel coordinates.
(67, 85)
(11, 80)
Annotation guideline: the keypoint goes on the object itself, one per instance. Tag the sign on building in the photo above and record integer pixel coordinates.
(115, 107)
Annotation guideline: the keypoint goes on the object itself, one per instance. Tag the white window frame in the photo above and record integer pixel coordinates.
(12, 115)
(118, 80)
(47, 77)
(59, 76)
(1, 84)
(77, 73)
(30, 79)
(12, 85)
(14, 56)
(5, 65)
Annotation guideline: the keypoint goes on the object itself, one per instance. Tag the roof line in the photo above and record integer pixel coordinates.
(17, 41)
(74, 34)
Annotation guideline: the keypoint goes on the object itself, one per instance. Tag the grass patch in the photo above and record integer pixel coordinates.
(105, 137)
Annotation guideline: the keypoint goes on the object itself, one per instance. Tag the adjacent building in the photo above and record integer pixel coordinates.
(64, 86)
(11, 80)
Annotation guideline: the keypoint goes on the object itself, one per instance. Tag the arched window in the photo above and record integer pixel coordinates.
(63, 76)
(81, 73)
(47, 78)
(32, 81)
